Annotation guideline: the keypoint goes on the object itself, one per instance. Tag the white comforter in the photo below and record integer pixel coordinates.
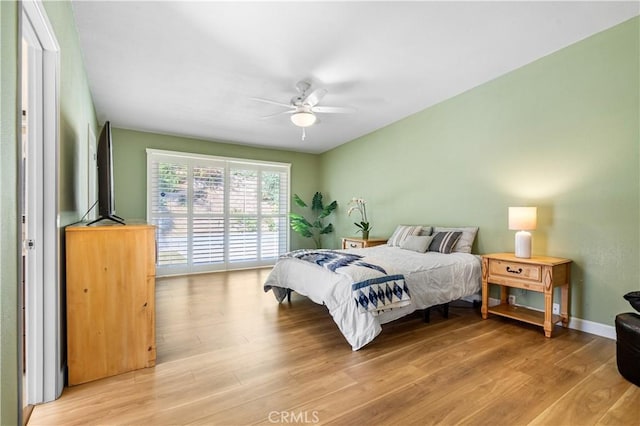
(432, 278)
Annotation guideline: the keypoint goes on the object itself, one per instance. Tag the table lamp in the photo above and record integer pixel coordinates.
(523, 219)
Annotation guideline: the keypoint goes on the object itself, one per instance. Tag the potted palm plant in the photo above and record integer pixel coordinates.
(315, 227)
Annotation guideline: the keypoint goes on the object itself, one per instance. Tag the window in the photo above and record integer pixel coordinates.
(215, 213)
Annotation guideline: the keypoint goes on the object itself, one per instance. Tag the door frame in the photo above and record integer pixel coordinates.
(44, 303)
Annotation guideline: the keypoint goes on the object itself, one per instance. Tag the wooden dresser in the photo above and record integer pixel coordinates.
(110, 299)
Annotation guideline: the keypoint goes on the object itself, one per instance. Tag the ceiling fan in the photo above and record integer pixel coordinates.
(303, 107)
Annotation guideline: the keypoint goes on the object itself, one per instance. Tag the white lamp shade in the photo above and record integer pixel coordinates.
(522, 218)
(303, 118)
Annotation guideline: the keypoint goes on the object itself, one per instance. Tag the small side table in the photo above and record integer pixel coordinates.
(538, 273)
(355, 242)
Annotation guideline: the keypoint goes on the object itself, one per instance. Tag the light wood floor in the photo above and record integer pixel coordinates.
(229, 354)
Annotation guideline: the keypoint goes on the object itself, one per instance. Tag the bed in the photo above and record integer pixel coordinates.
(429, 276)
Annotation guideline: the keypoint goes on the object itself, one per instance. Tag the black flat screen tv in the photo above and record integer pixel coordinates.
(104, 159)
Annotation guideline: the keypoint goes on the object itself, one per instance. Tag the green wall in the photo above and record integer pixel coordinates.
(77, 116)
(561, 133)
(8, 214)
(129, 162)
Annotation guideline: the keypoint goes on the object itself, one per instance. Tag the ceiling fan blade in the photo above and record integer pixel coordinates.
(278, 113)
(314, 97)
(269, 101)
(333, 110)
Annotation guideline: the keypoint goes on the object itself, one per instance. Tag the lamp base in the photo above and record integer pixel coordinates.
(523, 244)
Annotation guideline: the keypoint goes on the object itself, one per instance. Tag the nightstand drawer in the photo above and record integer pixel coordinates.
(353, 244)
(522, 271)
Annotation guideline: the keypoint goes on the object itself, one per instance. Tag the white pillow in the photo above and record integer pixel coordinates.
(466, 240)
(402, 232)
(419, 243)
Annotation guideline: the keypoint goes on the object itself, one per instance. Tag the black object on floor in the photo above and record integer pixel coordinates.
(633, 298)
(628, 346)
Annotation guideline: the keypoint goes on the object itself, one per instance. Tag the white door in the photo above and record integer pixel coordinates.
(41, 351)
(32, 211)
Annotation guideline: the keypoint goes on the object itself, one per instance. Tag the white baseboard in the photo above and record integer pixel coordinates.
(579, 324)
(591, 327)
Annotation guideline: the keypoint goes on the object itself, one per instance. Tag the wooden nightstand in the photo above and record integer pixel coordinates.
(539, 273)
(355, 242)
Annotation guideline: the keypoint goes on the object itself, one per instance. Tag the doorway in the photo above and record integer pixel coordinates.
(41, 356)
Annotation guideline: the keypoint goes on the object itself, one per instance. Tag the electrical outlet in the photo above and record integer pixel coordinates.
(556, 308)
(511, 299)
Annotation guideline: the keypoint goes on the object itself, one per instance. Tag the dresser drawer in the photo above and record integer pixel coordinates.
(348, 244)
(522, 271)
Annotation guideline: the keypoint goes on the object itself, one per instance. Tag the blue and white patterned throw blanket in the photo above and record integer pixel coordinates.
(379, 291)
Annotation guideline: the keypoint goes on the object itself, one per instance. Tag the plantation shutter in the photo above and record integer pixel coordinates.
(243, 214)
(215, 213)
(169, 211)
(208, 214)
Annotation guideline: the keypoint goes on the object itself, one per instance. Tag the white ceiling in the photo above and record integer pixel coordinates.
(191, 68)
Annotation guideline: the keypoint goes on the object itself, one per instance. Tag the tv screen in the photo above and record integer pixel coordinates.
(106, 197)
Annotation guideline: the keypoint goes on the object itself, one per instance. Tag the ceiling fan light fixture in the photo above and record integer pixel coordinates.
(303, 118)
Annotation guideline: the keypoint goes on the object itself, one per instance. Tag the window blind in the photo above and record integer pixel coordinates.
(216, 213)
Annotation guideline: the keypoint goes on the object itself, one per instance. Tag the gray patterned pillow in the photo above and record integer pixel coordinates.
(402, 232)
(443, 242)
(466, 240)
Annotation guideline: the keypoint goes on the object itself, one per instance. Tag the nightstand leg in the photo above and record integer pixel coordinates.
(485, 289)
(564, 305)
(504, 294)
(548, 311)
(485, 299)
(548, 300)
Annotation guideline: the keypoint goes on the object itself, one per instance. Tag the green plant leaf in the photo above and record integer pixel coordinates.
(357, 224)
(329, 209)
(316, 204)
(327, 229)
(305, 232)
(299, 220)
(298, 201)
(301, 229)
